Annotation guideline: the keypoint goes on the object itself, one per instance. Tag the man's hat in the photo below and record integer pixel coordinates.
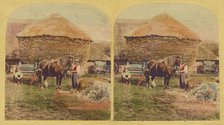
(76, 60)
(70, 56)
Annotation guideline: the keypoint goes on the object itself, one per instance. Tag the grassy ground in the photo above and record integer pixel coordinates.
(32, 103)
(133, 103)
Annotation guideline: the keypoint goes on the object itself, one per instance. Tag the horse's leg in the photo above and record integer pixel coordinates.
(40, 81)
(59, 81)
(45, 81)
(153, 84)
(168, 81)
(165, 82)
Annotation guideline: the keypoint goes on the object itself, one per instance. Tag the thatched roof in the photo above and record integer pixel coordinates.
(163, 25)
(54, 25)
(97, 55)
(205, 54)
(13, 27)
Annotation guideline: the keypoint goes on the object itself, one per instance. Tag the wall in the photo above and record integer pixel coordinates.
(159, 47)
(41, 47)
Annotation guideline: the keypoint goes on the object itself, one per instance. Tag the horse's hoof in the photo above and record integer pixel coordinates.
(58, 88)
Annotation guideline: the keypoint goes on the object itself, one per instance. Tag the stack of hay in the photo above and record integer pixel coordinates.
(206, 92)
(97, 92)
(160, 37)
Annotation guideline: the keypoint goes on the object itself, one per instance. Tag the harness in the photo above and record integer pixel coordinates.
(156, 63)
(48, 65)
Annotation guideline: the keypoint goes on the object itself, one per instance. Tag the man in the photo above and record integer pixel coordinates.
(183, 70)
(215, 70)
(126, 76)
(18, 76)
(75, 70)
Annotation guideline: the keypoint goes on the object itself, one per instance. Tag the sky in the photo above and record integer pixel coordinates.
(199, 19)
(90, 19)
(96, 24)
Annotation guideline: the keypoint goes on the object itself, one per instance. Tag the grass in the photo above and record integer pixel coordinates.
(133, 103)
(136, 103)
(38, 104)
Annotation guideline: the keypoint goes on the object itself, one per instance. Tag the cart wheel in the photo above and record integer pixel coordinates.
(91, 69)
(116, 68)
(7, 68)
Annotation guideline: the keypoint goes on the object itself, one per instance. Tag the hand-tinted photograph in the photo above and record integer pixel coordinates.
(58, 63)
(166, 63)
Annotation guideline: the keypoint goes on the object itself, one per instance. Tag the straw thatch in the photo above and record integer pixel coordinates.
(163, 25)
(54, 25)
(122, 28)
(204, 53)
(13, 27)
(160, 37)
(97, 55)
(52, 37)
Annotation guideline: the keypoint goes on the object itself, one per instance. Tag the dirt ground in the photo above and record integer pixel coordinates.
(32, 103)
(134, 102)
(187, 106)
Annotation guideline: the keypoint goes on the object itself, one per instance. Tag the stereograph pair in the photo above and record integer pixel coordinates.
(165, 67)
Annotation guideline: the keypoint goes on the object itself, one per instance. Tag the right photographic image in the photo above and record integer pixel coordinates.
(166, 63)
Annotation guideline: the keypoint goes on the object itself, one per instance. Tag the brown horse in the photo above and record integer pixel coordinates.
(54, 68)
(163, 68)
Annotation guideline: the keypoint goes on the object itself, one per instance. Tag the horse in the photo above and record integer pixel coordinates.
(54, 68)
(163, 68)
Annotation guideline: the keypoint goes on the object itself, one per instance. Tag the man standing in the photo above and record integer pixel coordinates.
(183, 69)
(75, 70)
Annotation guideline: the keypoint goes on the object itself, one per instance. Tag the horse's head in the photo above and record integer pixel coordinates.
(177, 61)
(65, 62)
(69, 60)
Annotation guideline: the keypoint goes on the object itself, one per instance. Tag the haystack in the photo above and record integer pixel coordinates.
(97, 55)
(52, 37)
(206, 53)
(160, 37)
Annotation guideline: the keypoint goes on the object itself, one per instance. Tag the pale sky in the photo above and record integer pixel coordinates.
(199, 19)
(90, 19)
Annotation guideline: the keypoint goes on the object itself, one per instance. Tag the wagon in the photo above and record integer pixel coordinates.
(28, 70)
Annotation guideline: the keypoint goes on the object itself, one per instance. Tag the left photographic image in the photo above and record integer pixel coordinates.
(57, 63)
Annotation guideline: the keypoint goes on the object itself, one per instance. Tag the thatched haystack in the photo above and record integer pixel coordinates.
(160, 37)
(52, 37)
(13, 27)
(208, 51)
(97, 55)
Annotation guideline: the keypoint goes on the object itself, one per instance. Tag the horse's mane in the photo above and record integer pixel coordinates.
(62, 61)
(170, 61)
